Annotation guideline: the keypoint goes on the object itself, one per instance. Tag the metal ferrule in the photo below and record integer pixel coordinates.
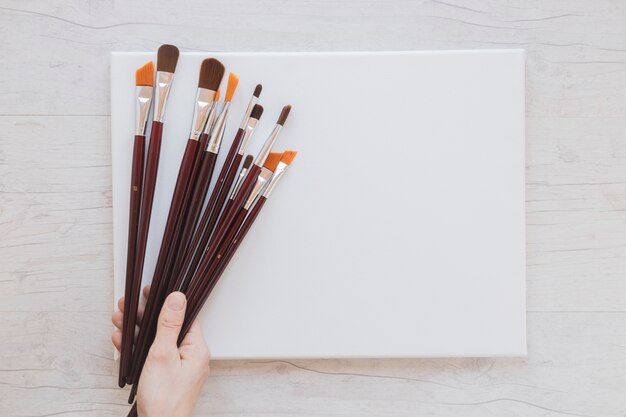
(249, 130)
(261, 182)
(267, 147)
(142, 108)
(163, 85)
(211, 119)
(254, 100)
(242, 176)
(204, 103)
(218, 131)
(280, 170)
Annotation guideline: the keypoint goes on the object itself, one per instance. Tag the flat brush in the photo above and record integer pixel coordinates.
(211, 73)
(262, 180)
(167, 58)
(218, 195)
(201, 167)
(227, 250)
(236, 203)
(144, 81)
(201, 187)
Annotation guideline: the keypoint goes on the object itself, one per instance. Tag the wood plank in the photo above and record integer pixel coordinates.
(56, 54)
(575, 367)
(55, 194)
(576, 214)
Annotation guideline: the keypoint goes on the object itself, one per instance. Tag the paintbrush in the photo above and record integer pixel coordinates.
(253, 108)
(262, 180)
(184, 285)
(195, 304)
(144, 81)
(234, 204)
(242, 173)
(167, 58)
(254, 204)
(233, 159)
(224, 181)
(211, 73)
(218, 195)
(202, 186)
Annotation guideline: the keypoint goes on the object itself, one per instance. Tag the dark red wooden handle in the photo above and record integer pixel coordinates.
(172, 218)
(147, 199)
(203, 233)
(191, 193)
(227, 218)
(195, 305)
(199, 194)
(225, 182)
(128, 327)
(220, 252)
(133, 411)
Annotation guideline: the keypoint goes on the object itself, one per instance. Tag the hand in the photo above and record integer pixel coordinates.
(173, 376)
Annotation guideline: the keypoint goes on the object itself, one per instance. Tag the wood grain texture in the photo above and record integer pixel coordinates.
(55, 205)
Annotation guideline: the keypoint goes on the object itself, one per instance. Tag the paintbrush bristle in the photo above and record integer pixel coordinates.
(283, 115)
(256, 112)
(248, 161)
(144, 76)
(217, 95)
(257, 90)
(233, 80)
(288, 157)
(211, 74)
(272, 160)
(167, 58)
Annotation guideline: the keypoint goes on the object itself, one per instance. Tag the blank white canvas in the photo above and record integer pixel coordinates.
(399, 229)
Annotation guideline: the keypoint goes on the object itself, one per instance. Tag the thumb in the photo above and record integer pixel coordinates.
(171, 320)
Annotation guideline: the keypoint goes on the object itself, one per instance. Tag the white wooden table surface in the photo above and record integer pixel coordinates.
(55, 205)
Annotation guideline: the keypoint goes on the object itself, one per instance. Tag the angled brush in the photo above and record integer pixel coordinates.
(144, 82)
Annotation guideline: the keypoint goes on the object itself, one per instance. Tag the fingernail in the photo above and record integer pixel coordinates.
(176, 301)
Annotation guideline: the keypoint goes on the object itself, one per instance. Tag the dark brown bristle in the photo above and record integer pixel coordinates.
(248, 161)
(257, 90)
(211, 74)
(272, 160)
(256, 112)
(283, 115)
(167, 58)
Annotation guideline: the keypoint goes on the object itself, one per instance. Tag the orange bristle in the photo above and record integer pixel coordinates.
(272, 160)
(144, 76)
(233, 80)
(288, 157)
(217, 95)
